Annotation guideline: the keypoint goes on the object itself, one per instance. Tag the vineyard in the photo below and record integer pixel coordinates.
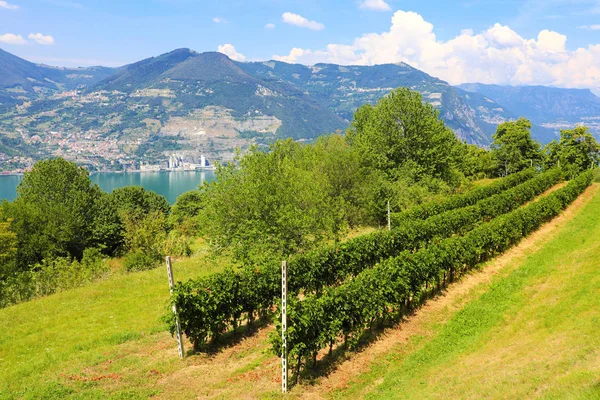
(341, 291)
(433, 335)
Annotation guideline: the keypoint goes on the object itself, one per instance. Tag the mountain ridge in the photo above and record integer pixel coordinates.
(191, 103)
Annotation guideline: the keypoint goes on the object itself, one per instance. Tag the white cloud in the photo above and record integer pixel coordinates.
(46, 40)
(495, 55)
(270, 26)
(230, 51)
(590, 27)
(298, 20)
(377, 5)
(219, 20)
(10, 38)
(4, 4)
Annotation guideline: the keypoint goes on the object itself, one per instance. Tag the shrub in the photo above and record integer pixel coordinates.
(177, 244)
(139, 261)
(52, 276)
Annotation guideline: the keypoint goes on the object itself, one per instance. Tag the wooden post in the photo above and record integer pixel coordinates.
(389, 217)
(177, 322)
(284, 374)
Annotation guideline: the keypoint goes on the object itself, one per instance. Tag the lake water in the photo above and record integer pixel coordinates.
(168, 184)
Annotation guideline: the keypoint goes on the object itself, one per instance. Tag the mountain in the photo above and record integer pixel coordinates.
(186, 103)
(21, 80)
(548, 107)
(198, 81)
(343, 89)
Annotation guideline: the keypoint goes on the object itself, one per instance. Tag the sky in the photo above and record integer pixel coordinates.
(518, 42)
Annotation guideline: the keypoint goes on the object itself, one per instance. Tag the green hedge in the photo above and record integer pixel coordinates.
(427, 210)
(210, 305)
(347, 310)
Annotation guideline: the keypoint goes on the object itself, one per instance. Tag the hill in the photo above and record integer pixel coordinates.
(190, 103)
(523, 326)
(22, 80)
(345, 88)
(198, 81)
(549, 107)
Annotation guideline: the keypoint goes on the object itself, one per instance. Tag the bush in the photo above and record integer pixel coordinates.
(139, 261)
(52, 276)
(177, 245)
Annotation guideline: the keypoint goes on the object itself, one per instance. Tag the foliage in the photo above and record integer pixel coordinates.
(51, 276)
(177, 244)
(272, 204)
(185, 212)
(513, 148)
(8, 250)
(137, 202)
(139, 261)
(475, 162)
(145, 234)
(310, 272)
(398, 283)
(402, 132)
(54, 214)
(427, 210)
(576, 151)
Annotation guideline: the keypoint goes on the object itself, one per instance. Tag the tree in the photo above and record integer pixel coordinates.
(401, 131)
(54, 213)
(8, 249)
(475, 162)
(576, 151)
(513, 148)
(185, 211)
(124, 211)
(137, 201)
(288, 199)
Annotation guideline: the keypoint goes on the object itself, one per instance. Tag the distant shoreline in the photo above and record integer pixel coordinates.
(119, 172)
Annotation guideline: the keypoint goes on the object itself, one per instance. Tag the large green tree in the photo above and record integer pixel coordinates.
(402, 132)
(287, 199)
(513, 147)
(8, 249)
(54, 213)
(124, 215)
(577, 150)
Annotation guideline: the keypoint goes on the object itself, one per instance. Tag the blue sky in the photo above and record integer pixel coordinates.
(444, 38)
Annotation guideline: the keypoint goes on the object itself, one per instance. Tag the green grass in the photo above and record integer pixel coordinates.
(535, 332)
(50, 340)
(531, 332)
(483, 182)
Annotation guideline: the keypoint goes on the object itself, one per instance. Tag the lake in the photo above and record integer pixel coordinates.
(166, 183)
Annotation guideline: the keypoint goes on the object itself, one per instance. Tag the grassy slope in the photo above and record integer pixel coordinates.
(106, 340)
(533, 333)
(54, 339)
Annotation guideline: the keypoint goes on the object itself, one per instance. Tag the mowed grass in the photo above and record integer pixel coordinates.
(47, 345)
(107, 340)
(533, 333)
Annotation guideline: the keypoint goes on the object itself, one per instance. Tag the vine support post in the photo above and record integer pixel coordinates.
(284, 374)
(177, 322)
(389, 217)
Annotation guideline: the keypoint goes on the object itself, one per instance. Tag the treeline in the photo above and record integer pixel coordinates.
(60, 229)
